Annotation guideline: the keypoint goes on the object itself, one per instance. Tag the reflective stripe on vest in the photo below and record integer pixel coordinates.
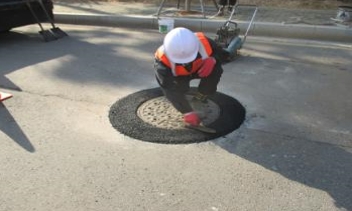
(205, 51)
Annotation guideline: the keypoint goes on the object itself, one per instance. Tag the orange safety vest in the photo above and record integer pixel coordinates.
(205, 51)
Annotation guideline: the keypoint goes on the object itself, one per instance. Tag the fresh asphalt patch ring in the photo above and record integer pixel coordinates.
(148, 116)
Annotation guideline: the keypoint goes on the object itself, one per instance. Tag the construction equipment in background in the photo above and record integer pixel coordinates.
(48, 35)
(228, 35)
(56, 30)
(343, 16)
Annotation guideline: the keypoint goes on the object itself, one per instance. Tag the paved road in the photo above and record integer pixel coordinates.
(59, 151)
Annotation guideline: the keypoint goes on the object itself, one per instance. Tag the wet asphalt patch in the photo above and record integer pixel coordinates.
(147, 116)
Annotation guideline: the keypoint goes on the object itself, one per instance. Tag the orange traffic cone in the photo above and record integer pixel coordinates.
(4, 96)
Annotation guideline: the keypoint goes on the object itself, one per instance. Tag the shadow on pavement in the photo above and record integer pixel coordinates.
(11, 38)
(317, 165)
(103, 62)
(9, 126)
(16, 60)
(298, 88)
(82, 65)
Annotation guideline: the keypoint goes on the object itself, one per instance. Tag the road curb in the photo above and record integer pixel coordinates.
(296, 31)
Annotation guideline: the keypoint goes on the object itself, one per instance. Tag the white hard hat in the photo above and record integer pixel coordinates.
(181, 45)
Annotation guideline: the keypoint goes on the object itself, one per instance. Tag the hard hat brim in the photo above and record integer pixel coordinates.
(184, 60)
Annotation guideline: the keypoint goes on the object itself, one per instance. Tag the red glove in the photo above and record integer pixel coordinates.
(191, 118)
(207, 67)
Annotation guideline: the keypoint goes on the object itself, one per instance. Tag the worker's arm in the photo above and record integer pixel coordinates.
(174, 88)
(219, 53)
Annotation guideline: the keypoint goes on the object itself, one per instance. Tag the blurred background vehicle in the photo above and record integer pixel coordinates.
(16, 13)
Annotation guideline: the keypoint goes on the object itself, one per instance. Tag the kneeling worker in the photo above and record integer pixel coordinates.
(184, 56)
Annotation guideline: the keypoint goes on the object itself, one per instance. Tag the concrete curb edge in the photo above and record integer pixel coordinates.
(296, 31)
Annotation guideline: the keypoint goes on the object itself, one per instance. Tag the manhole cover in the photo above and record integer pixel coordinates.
(159, 112)
(147, 115)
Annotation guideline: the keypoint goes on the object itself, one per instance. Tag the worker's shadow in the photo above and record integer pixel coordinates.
(9, 126)
(318, 165)
(13, 38)
(21, 49)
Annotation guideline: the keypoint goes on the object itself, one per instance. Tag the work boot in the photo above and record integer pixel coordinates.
(201, 97)
(199, 104)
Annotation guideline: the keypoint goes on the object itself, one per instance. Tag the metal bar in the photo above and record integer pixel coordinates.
(202, 8)
(234, 9)
(188, 5)
(216, 5)
(46, 13)
(34, 15)
(160, 7)
(250, 24)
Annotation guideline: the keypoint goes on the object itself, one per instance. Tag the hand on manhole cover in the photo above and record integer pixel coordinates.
(160, 113)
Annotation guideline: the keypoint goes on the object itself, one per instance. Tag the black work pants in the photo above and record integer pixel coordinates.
(229, 2)
(176, 90)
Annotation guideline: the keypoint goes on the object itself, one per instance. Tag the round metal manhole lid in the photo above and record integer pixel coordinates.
(160, 113)
(147, 115)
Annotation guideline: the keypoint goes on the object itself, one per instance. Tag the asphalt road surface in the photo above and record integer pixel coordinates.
(59, 152)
